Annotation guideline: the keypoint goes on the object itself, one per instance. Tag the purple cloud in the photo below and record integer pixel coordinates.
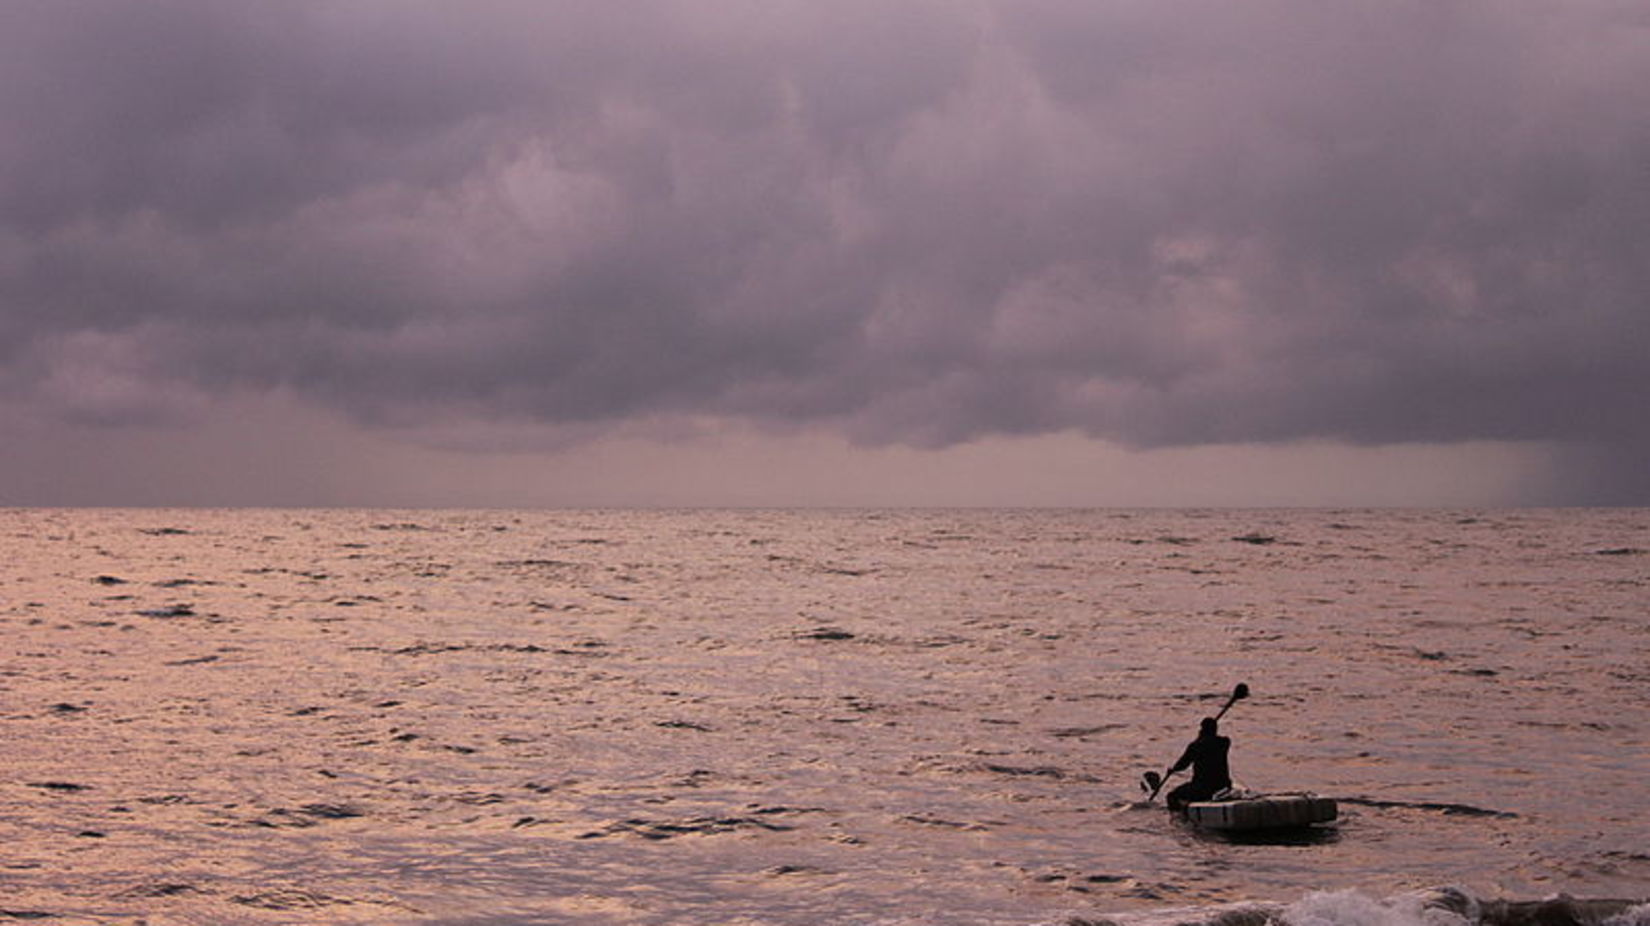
(917, 223)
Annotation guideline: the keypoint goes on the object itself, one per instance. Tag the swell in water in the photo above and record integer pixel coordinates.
(1448, 906)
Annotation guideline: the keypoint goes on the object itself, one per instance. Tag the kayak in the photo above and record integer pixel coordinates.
(1248, 813)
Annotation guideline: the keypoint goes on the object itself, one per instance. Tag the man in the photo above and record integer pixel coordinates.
(1207, 757)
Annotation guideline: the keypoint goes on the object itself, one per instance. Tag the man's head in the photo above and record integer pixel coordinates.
(1209, 727)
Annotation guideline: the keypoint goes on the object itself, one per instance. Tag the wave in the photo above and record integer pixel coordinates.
(1444, 906)
(1447, 809)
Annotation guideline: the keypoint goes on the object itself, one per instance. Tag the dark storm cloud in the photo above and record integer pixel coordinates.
(919, 222)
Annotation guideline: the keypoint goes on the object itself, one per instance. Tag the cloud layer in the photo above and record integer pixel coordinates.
(917, 223)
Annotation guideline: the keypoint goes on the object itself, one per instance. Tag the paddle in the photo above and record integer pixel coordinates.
(1152, 782)
(1238, 694)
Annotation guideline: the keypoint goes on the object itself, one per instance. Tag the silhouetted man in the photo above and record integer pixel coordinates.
(1207, 757)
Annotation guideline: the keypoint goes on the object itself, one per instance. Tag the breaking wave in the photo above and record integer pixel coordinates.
(1447, 906)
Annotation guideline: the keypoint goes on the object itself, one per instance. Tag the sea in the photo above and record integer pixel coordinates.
(818, 717)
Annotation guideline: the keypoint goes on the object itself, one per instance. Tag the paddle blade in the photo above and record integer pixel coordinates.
(1240, 692)
(1151, 782)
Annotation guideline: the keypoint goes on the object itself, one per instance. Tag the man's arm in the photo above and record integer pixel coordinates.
(1185, 759)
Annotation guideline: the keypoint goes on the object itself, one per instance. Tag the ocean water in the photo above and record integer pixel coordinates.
(802, 717)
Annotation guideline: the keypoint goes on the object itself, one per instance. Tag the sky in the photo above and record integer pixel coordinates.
(824, 252)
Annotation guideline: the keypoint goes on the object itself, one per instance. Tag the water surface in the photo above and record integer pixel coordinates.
(802, 717)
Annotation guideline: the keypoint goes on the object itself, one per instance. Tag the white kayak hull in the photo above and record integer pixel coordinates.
(1266, 812)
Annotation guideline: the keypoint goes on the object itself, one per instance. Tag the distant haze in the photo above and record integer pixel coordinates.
(794, 252)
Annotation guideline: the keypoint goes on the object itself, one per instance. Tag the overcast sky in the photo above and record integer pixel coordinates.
(824, 252)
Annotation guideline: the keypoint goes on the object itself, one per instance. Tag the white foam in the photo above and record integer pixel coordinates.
(1633, 916)
(1354, 908)
(1442, 906)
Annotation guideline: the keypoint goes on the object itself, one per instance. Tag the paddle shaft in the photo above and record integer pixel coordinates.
(1227, 706)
